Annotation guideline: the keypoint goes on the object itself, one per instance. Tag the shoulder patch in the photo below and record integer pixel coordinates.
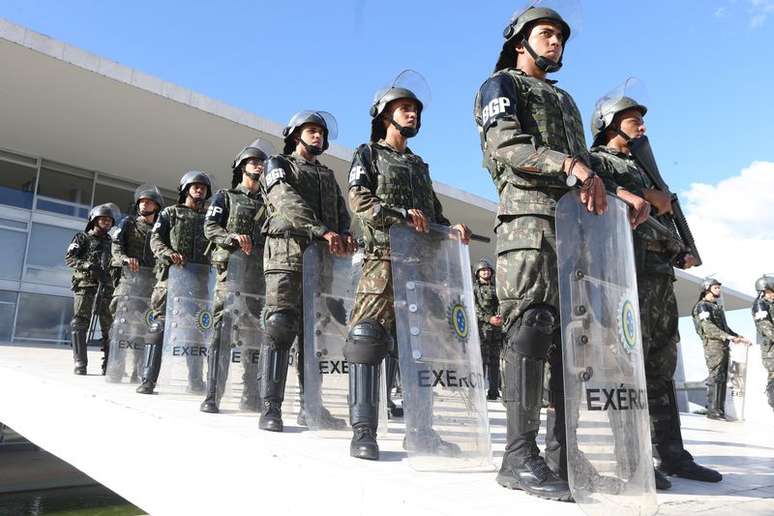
(704, 315)
(497, 99)
(760, 315)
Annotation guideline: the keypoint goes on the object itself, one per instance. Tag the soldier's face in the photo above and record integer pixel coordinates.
(715, 290)
(312, 134)
(404, 111)
(485, 274)
(254, 166)
(147, 206)
(768, 294)
(546, 40)
(103, 223)
(197, 191)
(631, 123)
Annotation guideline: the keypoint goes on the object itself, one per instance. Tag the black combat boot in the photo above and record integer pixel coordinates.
(668, 440)
(105, 355)
(715, 405)
(274, 373)
(152, 365)
(250, 398)
(80, 356)
(212, 398)
(391, 370)
(364, 410)
(195, 373)
(662, 482)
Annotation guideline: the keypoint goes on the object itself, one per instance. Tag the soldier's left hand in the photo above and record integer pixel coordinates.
(465, 233)
(245, 243)
(496, 320)
(133, 264)
(688, 261)
(350, 244)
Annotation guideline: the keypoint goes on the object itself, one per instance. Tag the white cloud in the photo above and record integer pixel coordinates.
(733, 225)
(759, 12)
(721, 12)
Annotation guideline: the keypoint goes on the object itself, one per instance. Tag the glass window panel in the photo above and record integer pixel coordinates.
(45, 260)
(64, 193)
(44, 318)
(17, 183)
(124, 199)
(13, 224)
(7, 309)
(12, 245)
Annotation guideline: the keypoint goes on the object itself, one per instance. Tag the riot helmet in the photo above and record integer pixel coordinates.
(517, 31)
(765, 282)
(408, 84)
(605, 111)
(148, 191)
(321, 118)
(189, 178)
(260, 149)
(102, 210)
(482, 264)
(706, 284)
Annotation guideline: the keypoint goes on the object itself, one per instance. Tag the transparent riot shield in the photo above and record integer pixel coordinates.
(609, 460)
(736, 388)
(444, 392)
(329, 292)
(241, 335)
(187, 329)
(130, 326)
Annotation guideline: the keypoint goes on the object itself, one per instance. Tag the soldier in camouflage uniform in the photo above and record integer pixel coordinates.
(233, 224)
(304, 203)
(131, 247)
(177, 238)
(489, 325)
(709, 318)
(388, 184)
(88, 255)
(763, 315)
(533, 145)
(614, 123)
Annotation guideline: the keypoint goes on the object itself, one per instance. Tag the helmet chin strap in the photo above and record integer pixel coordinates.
(253, 175)
(406, 132)
(314, 150)
(543, 63)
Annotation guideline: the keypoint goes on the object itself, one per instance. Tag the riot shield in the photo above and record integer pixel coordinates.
(444, 392)
(737, 380)
(130, 325)
(241, 334)
(610, 468)
(187, 329)
(329, 292)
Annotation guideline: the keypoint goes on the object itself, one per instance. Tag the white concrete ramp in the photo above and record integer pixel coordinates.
(163, 455)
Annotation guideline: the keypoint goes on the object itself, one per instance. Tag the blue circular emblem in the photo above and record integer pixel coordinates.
(628, 325)
(204, 320)
(148, 317)
(459, 321)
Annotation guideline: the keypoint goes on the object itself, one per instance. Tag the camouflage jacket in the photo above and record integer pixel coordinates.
(383, 185)
(710, 321)
(763, 315)
(487, 305)
(528, 127)
(131, 239)
(303, 198)
(88, 255)
(179, 229)
(233, 212)
(653, 252)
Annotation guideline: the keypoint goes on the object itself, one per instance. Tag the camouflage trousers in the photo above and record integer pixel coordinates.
(83, 304)
(660, 335)
(374, 297)
(716, 354)
(767, 356)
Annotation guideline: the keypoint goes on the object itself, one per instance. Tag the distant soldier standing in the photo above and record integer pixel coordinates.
(490, 324)
(131, 243)
(233, 224)
(89, 256)
(709, 318)
(304, 203)
(177, 238)
(614, 123)
(763, 315)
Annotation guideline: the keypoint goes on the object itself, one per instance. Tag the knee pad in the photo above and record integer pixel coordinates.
(368, 342)
(533, 334)
(281, 328)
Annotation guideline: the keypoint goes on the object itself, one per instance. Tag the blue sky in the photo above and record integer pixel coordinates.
(706, 64)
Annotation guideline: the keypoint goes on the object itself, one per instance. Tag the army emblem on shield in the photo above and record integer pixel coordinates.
(148, 317)
(203, 320)
(458, 320)
(628, 326)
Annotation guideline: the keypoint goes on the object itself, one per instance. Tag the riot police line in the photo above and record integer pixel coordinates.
(220, 300)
